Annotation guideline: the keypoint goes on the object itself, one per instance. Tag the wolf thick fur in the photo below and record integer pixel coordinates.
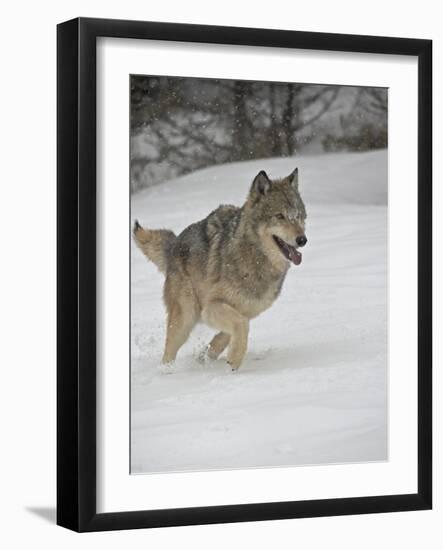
(229, 267)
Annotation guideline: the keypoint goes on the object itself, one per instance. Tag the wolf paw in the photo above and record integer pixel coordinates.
(203, 356)
(166, 368)
(234, 368)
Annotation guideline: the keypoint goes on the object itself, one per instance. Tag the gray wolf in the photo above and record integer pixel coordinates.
(229, 267)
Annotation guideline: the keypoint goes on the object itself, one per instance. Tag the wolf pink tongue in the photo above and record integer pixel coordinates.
(295, 256)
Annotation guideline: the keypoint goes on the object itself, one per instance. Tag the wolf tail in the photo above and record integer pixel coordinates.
(154, 243)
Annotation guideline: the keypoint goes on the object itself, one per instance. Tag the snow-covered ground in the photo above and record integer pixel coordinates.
(313, 386)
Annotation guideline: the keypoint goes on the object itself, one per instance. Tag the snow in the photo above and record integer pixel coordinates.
(313, 386)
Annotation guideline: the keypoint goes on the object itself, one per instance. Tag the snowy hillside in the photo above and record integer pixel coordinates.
(312, 388)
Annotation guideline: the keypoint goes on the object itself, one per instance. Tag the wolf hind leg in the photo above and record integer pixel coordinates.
(227, 319)
(182, 317)
(218, 344)
(179, 327)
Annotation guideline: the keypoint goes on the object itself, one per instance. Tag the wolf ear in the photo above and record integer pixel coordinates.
(293, 179)
(261, 184)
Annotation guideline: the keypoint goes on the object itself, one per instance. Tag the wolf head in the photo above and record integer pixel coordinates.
(279, 215)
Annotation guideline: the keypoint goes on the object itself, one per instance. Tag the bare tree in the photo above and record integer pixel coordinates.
(288, 109)
(364, 126)
(305, 105)
(241, 127)
(373, 101)
(182, 124)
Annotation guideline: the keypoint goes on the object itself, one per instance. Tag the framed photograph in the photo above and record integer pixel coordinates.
(244, 274)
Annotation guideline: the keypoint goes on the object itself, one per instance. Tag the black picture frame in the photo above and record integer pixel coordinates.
(76, 274)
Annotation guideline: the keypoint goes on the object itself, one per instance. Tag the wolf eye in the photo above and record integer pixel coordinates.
(280, 216)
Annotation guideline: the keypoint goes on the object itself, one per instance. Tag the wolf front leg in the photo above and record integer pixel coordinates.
(218, 344)
(227, 319)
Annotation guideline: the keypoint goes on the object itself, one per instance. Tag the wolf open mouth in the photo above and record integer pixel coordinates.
(288, 251)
